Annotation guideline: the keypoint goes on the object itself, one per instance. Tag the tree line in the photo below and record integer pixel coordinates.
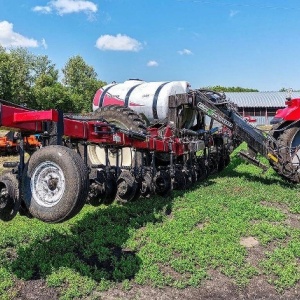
(33, 81)
(236, 89)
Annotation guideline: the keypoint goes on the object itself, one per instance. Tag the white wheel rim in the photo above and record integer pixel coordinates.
(47, 184)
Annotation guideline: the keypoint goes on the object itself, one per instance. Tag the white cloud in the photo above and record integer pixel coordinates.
(9, 38)
(73, 6)
(63, 7)
(152, 63)
(185, 52)
(44, 44)
(233, 13)
(43, 9)
(118, 43)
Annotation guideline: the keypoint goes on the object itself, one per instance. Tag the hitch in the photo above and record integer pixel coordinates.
(246, 156)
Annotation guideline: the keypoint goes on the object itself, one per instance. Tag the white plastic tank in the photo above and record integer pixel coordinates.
(149, 98)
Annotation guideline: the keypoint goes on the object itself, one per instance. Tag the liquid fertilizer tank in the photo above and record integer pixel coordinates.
(148, 98)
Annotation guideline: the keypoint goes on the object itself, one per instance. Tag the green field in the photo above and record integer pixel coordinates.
(158, 242)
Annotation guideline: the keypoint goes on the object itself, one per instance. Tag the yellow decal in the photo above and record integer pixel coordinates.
(274, 158)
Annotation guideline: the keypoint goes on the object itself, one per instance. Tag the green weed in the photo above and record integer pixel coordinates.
(282, 265)
(172, 241)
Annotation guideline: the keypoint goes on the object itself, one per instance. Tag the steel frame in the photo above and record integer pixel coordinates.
(29, 121)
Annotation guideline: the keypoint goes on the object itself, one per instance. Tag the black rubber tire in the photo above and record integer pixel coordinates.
(227, 160)
(275, 134)
(285, 142)
(162, 183)
(188, 178)
(146, 185)
(128, 189)
(10, 182)
(223, 162)
(274, 131)
(201, 169)
(124, 116)
(74, 182)
(179, 182)
(212, 165)
(83, 170)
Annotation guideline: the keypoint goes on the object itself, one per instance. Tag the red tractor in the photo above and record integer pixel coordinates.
(286, 132)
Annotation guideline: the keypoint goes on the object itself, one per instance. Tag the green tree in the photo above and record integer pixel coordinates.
(5, 75)
(288, 90)
(22, 77)
(219, 88)
(53, 96)
(21, 72)
(15, 75)
(47, 91)
(32, 80)
(81, 80)
(45, 72)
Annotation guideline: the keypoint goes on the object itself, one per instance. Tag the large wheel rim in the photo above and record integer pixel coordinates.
(97, 154)
(295, 155)
(47, 184)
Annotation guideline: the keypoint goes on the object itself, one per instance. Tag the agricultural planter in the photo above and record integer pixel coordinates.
(141, 139)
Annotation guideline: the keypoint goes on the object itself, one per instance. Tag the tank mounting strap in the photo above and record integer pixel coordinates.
(129, 93)
(155, 98)
(103, 94)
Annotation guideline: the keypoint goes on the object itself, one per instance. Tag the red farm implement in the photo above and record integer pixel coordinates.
(123, 152)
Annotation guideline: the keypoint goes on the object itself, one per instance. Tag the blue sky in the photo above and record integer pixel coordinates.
(248, 43)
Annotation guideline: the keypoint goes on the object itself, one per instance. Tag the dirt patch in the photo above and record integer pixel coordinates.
(167, 270)
(218, 287)
(259, 288)
(292, 220)
(201, 225)
(249, 242)
(280, 206)
(255, 255)
(35, 289)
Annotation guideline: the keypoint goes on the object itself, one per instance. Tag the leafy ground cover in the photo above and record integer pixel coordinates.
(235, 235)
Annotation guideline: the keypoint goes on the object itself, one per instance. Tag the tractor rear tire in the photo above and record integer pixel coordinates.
(288, 141)
(55, 184)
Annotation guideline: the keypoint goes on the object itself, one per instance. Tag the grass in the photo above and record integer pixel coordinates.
(172, 241)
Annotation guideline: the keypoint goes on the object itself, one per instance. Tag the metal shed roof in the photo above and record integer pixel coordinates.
(260, 99)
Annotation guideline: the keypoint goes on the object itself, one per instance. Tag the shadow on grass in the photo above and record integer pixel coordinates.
(274, 179)
(93, 245)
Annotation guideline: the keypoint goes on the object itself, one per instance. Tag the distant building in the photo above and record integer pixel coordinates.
(260, 105)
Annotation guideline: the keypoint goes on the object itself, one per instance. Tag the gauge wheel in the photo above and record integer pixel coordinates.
(55, 184)
(11, 203)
